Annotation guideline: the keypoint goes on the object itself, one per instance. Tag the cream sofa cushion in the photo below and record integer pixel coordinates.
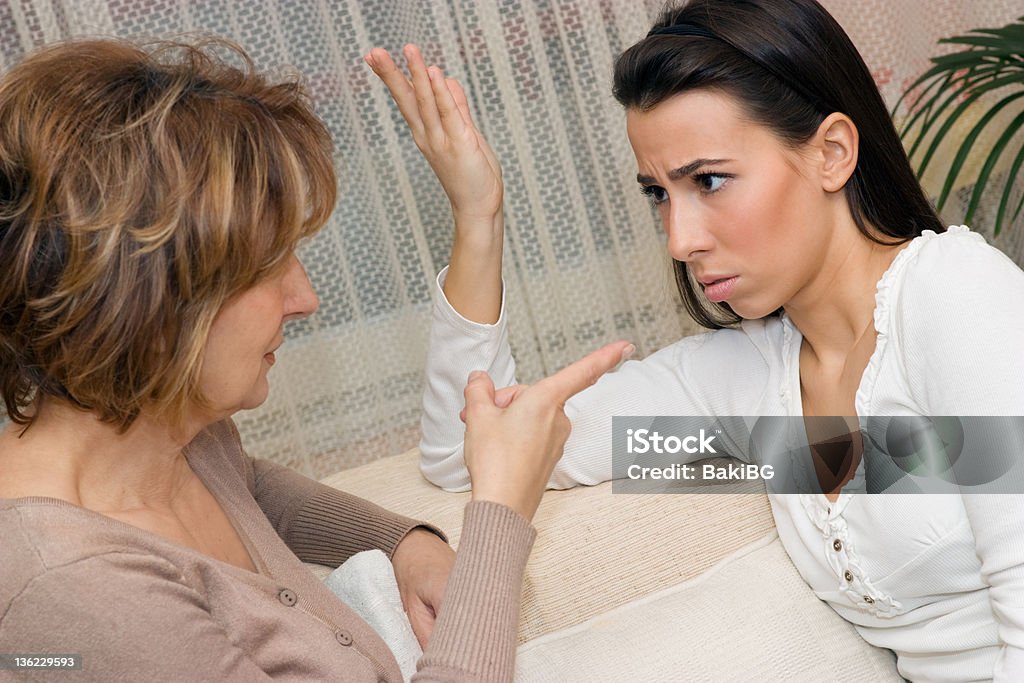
(749, 618)
(651, 587)
(594, 550)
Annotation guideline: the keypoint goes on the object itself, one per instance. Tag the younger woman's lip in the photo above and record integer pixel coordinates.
(721, 290)
(270, 358)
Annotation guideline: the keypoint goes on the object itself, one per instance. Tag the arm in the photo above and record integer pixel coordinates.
(438, 115)
(996, 521)
(964, 357)
(457, 347)
(654, 386)
(475, 634)
(510, 451)
(718, 373)
(322, 524)
(469, 329)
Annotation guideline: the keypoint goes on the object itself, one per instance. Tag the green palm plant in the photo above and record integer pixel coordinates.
(992, 62)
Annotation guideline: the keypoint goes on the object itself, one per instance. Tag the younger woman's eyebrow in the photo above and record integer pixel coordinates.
(682, 171)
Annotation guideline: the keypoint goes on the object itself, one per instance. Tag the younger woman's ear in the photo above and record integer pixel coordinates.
(837, 139)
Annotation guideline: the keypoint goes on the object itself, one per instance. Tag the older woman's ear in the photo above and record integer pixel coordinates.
(837, 142)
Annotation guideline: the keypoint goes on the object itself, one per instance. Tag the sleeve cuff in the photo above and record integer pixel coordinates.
(448, 313)
(332, 526)
(476, 630)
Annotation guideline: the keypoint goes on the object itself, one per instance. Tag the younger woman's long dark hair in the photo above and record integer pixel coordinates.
(789, 64)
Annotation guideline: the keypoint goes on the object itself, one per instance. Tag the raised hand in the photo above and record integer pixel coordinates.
(510, 451)
(436, 110)
(438, 115)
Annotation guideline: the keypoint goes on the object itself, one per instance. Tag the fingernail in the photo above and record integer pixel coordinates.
(473, 375)
(628, 351)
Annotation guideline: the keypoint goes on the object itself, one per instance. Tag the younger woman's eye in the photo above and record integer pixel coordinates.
(710, 182)
(656, 194)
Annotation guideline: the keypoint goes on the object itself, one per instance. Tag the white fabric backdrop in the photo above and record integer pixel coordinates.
(584, 256)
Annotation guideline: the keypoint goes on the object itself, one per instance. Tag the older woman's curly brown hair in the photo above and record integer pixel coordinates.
(141, 186)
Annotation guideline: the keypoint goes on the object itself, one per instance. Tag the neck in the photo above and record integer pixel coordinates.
(71, 455)
(835, 309)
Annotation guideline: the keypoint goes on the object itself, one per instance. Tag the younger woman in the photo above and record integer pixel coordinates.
(800, 235)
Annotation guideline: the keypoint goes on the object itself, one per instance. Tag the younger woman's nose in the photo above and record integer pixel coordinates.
(687, 236)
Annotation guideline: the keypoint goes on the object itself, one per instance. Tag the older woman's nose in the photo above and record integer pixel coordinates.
(301, 300)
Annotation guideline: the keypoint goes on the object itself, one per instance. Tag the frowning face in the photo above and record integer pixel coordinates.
(744, 211)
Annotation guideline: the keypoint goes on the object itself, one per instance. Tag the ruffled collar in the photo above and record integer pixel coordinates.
(791, 338)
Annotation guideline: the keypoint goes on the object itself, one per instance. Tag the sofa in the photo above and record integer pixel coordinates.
(653, 587)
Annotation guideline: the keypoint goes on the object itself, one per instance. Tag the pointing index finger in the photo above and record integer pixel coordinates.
(577, 376)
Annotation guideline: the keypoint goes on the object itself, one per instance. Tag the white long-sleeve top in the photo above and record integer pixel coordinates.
(939, 579)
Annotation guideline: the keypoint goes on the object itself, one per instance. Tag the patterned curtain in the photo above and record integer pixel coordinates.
(585, 261)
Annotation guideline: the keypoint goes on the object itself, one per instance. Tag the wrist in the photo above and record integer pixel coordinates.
(479, 232)
(522, 504)
(414, 539)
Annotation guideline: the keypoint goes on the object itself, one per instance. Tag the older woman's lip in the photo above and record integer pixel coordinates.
(270, 358)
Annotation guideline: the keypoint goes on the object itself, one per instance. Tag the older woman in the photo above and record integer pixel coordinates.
(150, 205)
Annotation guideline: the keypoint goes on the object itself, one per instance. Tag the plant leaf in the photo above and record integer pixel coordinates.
(990, 163)
(974, 94)
(1009, 32)
(952, 88)
(988, 59)
(940, 135)
(965, 146)
(995, 45)
(930, 117)
(915, 106)
(1008, 190)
